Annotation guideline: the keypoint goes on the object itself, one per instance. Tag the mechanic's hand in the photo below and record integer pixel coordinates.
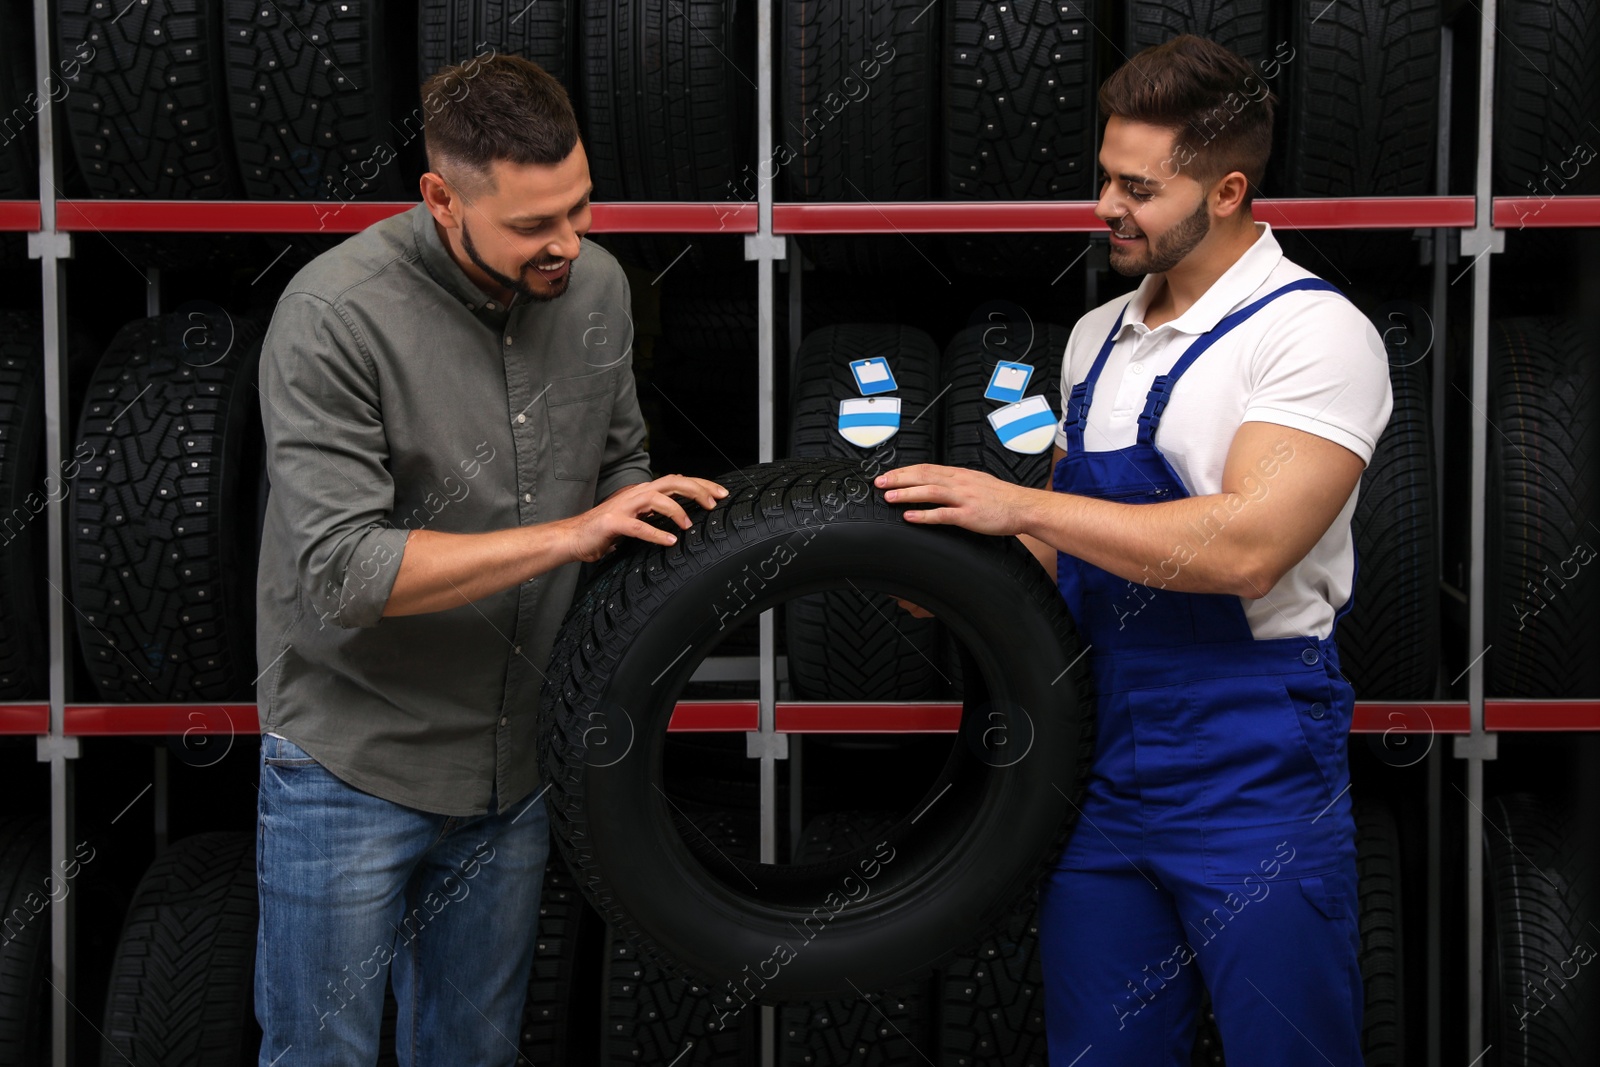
(598, 531)
(916, 611)
(970, 499)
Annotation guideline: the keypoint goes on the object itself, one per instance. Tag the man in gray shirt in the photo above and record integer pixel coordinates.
(451, 427)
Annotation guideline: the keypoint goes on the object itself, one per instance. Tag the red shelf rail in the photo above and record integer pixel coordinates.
(799, 717)
(339, 216)
(1001, 216)
(1036, 216)
(24, 719)
(1516, 212)
(19, 215)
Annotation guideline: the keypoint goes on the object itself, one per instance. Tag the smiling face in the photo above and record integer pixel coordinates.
(520, 231)
(1157, 211)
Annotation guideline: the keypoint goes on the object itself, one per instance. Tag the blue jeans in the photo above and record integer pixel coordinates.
(356, 892)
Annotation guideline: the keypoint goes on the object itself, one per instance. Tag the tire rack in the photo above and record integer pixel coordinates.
(1478, 220)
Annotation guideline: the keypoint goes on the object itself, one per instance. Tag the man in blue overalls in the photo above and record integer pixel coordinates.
(1215, 427)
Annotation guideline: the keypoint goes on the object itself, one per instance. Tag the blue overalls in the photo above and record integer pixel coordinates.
(1216, 841)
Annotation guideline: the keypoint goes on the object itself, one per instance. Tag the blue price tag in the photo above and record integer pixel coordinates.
(873, 376)
(1009, 382)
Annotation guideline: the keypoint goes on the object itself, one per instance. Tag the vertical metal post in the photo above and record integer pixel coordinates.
(1439, 319)
(796, 743)
(51, 247)
(765, 248)
(1441, 244)
(1479, 244)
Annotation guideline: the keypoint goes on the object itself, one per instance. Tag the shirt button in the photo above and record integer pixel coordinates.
(516, 650)
(1318, 711)
(527, 498)
(1309, 656)
(1137, 368)
(508, 340)
(504, 721)
(521, 419)
(489, 304)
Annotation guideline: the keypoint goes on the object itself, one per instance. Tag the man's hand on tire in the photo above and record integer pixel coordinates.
(598, 531)
(959, 497)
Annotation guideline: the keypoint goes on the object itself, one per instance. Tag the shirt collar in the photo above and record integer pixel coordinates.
(1236, 285)
(443, 266)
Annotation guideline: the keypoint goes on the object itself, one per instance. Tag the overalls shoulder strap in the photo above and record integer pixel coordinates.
(1161, 390)
(1077, 414)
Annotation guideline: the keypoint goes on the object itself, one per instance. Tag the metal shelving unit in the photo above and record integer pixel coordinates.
(1479, 220)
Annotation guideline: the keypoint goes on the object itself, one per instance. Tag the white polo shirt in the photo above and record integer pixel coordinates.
(1309, 360)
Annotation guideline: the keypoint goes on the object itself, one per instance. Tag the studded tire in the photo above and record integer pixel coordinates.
(636, 635)
(148, 110)
(310, 98)
(162, 516)
(23, 500)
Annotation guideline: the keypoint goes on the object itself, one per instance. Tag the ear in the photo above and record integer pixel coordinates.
(1228, 196)
(444, 203)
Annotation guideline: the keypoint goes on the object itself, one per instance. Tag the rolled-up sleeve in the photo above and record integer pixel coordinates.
(625, 462)
(327, 459)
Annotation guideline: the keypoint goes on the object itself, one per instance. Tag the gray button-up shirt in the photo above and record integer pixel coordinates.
(397, 396)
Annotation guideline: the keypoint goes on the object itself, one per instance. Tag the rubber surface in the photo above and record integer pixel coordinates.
(1383, 1029)
(148, 112)
(852, 645)
(1019, 119)
(452, 31)
(310, 100)
(1540, 944)
(969, 361)
(1541, 619)
(1243, 26)
(26, 892)
(19, 166)
(668, 96)
(937, 884)
(24, 497)
(651, 1016)
(182, 981)
(872, 1028)
(1389, 642)
(1546, 95)
(991, 1004)
(162, 516)
(858, 117)
(559, 1019)
(1362, 99)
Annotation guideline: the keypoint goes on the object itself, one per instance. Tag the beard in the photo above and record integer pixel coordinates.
(517, 284)
(1166, 251)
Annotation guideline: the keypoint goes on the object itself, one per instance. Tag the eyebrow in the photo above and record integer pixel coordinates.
(522, 220)
(1134, 179)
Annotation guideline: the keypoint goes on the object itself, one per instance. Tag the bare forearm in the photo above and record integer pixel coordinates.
(444, 570)
(1196, 545)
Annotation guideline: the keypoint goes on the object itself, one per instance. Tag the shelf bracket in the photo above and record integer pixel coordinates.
(58, 243)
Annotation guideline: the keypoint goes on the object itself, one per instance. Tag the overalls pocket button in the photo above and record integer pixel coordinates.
(1318, 710)
(1309, 656)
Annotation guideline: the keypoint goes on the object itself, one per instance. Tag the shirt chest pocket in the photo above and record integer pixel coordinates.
(579, 411)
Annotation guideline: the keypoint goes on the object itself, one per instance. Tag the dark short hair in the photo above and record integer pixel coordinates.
(496, 107)
(1217, 105)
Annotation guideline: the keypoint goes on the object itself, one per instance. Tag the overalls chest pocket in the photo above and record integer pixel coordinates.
(579, 414)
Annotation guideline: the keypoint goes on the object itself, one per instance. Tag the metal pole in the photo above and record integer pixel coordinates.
(51, 248)
(765, 248)
(1439, 368)
(1479, 244)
